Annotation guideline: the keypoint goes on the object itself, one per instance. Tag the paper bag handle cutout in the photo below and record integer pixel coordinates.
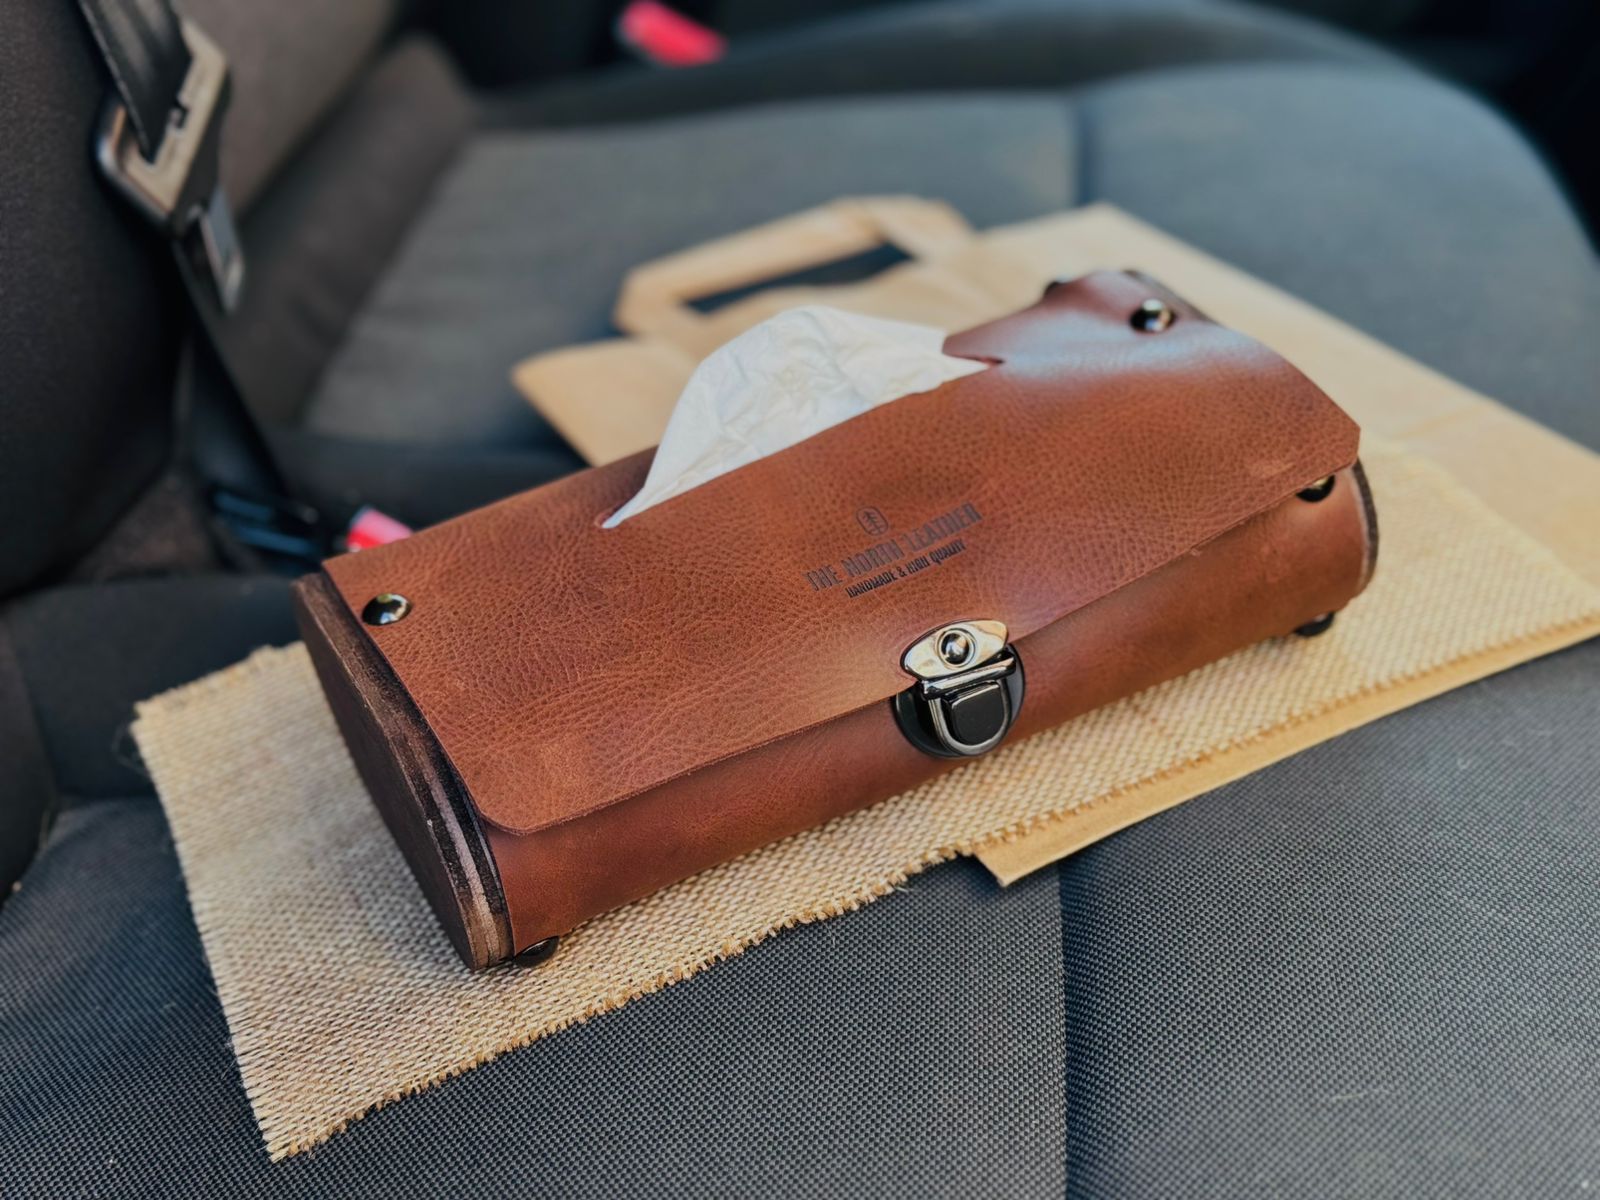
(655, 296)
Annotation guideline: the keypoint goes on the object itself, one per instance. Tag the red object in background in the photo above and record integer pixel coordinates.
(666, 37)
(369, 528)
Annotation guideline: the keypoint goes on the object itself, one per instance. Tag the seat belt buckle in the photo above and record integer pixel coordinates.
(276, 526)
(180, 189)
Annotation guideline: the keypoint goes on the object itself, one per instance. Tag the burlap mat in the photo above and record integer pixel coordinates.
(342, 993)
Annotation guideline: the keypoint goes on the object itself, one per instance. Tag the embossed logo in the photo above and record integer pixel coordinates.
(895, 556)
(872, 521)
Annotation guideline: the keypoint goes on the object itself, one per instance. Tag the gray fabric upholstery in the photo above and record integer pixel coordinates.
(1367, 971)
(289, 60)
(87, 339)
(1011, 45)
(1439, 222)
(31, 794)
(921, 1054)
(526, 238)
(323, 233)
(1396, 203)
(133, 639)
(955, 45)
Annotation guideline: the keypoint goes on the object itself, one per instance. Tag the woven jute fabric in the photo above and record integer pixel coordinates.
(342, 993)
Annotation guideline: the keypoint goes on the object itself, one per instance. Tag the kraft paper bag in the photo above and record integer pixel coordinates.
(613, 398)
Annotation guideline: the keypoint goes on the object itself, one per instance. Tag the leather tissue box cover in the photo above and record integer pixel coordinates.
(568, 717)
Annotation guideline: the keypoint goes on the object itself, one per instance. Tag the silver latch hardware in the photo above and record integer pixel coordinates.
(968, 692)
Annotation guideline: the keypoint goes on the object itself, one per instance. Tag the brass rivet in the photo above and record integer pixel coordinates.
(1152, 316)
(385, 609)
(1317, 491)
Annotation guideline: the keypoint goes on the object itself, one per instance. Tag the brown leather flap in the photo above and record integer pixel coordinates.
(564, 667)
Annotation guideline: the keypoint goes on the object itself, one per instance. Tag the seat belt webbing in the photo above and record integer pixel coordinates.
(143, 47)
(158, 145)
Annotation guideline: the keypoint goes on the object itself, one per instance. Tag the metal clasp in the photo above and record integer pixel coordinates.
(179, 190)
(968, 692)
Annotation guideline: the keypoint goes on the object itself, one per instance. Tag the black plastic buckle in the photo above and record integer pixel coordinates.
(272, 525)
(179, 190)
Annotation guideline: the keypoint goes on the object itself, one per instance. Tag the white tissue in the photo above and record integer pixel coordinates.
(782, 381)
